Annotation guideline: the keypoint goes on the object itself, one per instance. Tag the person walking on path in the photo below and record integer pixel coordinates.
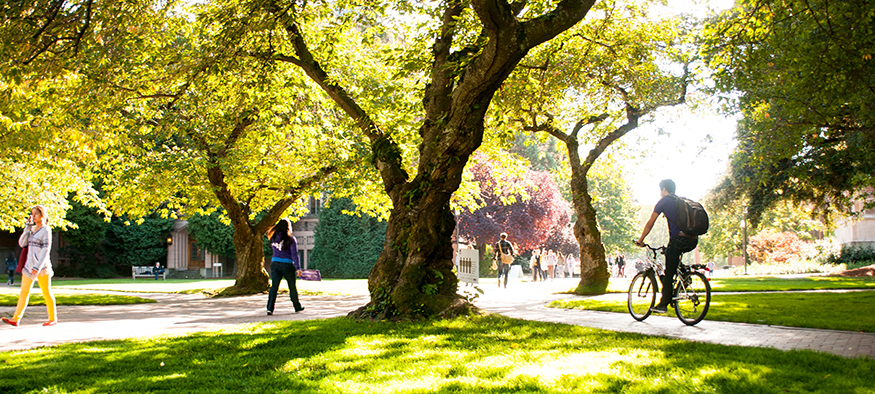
(621, 265)
(11, 264)
(678, 242)
(284, 264)
(505, 253)
(536, 265)
(37, 236)
(551, 264)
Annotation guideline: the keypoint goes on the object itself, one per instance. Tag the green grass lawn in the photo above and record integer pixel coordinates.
(489, 354)
(851, 311)
(769, 283)
(9, 295)
(36, 298)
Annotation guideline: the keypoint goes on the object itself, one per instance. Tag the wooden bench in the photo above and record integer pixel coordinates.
(145, 271)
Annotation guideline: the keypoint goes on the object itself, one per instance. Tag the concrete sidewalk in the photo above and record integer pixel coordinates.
(178, 314)
(173, 314)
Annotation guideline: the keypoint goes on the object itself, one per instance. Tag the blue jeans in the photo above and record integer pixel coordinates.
(278, 271)
(503, 269)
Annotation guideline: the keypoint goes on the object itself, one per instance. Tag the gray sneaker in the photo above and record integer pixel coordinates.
(269, 313)
(659, 309)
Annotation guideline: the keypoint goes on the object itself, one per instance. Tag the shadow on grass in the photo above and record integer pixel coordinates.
(477, 354)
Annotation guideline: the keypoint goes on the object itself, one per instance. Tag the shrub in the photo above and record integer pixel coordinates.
(774, 247)
(852, 256)
(486, 270)
(346, 246)
(214, 235)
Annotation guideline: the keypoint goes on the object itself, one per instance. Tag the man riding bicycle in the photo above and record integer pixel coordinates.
(678, 242)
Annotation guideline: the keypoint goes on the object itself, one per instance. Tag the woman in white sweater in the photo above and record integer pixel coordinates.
(37, 237)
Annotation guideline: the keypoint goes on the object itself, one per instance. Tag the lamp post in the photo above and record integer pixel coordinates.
(744, 243)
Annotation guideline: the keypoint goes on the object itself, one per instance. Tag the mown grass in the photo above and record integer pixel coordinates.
(36, 298)
(769, 283)
(850, 311)
(490, 354)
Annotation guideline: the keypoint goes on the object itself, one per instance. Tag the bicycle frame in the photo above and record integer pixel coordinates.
(691, 293)
(658, 267)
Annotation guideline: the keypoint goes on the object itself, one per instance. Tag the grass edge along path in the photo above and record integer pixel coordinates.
(835, 311)
(208, 287)
(36, 298)
(490, 354)
(769, 283)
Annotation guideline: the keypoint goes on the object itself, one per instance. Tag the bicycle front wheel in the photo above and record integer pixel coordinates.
(693, 298)
(642, 295)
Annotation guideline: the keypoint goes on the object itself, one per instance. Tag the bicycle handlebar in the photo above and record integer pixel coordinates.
(659, 249)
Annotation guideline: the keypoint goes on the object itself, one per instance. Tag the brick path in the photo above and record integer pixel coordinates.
(178, 314)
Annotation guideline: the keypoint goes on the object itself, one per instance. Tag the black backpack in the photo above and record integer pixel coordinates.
(692, 218)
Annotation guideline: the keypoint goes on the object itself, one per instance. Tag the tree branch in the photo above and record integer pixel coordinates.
(273, 214)
(439, 90)
(390, 166)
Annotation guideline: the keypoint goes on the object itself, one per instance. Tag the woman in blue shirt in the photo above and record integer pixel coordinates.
(284, 264)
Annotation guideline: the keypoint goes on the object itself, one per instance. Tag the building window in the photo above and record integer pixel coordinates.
(197, 253)
(315, 205)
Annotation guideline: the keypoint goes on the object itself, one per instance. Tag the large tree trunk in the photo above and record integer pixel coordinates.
(414, 274)
(413, 277)
(251, 276)
(594, 273)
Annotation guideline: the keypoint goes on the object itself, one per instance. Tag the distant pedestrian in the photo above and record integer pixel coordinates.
(710, 268)
(560, 264)
(284, 264)
(551, 264)
(536, 265)
(504, 251)
(37, 237)
(572, 264)
(11, 264)
(610, 260)
(621, 265)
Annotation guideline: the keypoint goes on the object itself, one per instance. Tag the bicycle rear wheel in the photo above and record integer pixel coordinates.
(642, 295)
(693, 298)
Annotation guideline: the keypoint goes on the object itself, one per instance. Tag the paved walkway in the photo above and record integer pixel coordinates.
(842, 343)
(178, 314)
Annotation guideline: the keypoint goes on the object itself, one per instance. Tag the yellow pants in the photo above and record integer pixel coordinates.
(45, 283)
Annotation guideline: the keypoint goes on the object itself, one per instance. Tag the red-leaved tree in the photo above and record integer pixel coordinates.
(561, 239)
(528, 223)
(775, 247)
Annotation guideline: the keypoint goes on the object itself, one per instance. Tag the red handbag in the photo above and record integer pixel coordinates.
(22, 259)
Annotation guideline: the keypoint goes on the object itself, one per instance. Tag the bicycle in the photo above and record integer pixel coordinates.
(692, 292)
